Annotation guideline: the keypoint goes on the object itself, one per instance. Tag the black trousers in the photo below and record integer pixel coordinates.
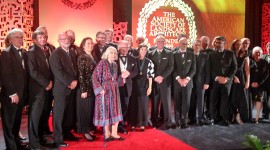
(125, 94)
(36, 106)
(45, 115)
(161, 93)
(196, 110)
(11, 121)
(219, 102)
(181, 103)
(63, 116)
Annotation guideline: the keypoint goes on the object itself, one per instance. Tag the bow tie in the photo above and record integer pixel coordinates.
(123, 56)
(20, 50)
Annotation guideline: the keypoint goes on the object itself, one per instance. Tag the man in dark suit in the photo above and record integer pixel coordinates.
(63, 65)
(73, 46)
(127, 69)
(164, 63)
(14, 84)
(205, 49)
(223, 66)
(184, 70)
(44, 128)
(100, 47)
(40, 84)
(200, 84)
(205, 44)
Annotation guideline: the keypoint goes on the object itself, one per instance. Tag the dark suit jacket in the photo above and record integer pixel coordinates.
(207, 51)
(184, 67)
(177, 49)
(163, 68)
(96, 52)
(13, 75)
(202, 75)
(64, 70)
(132, 68)
(222, 64)
(39, 71)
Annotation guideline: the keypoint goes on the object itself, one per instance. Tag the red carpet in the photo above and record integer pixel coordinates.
(151, 139)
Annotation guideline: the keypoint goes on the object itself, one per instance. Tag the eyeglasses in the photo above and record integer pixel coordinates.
(64, 39)
(18, 37)
(101, 37)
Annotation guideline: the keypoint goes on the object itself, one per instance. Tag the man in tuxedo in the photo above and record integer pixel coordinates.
(184, 70)
(109, 38)
(100, 47)
(63, 65)
(131, 51)
(40, 85)
(164, 64)
(73, 46)
(200, 84)
(127, 69)
(223, 66)
(14, 84)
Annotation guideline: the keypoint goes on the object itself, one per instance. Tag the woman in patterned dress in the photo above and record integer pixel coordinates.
(142, 88)
(107, 105)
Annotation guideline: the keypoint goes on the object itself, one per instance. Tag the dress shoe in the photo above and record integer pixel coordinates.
(224, 123)
(92, 133)
(118, 139)
(142, 129)
(61, 144)
(88, 137)
(133, 128)
(22, 146)
(108, 139)
(184, 126)
(70, 137)
(122, 130)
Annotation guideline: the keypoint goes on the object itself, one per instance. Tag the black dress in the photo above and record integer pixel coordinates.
(85, 107)
(138, 106)
(258, 73)
(239, 95)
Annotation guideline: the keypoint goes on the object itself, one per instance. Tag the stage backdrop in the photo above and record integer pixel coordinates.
(82, 17)
(192, 17)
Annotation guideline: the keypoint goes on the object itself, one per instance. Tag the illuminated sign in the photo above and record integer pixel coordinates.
(169, 17)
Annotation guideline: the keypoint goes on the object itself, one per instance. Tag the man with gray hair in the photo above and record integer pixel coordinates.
(14, 77)
(127, 69)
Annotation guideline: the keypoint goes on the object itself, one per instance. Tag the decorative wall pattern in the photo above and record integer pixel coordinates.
(16, 14)
(120, 30)
(265, 25)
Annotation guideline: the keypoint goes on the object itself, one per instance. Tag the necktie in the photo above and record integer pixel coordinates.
(47, 55)
(159, 55)
(123, 59)
(21, 55)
